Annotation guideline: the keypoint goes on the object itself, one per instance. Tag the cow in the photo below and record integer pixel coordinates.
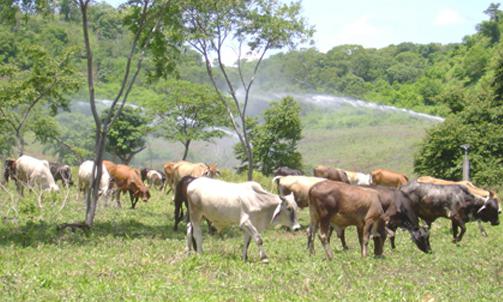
(298, 185)
(341, 204)
(224, 204)
(455, 202)
(85, 180)
(185, 168)
(169, 171)
(9, 171)
(398, 212)
(61, 172)
(476, 191)
(33, 172)
(358, 178)
(127, 179)
(156, 178)
(286, 171)
(388, 178)
(331, 173)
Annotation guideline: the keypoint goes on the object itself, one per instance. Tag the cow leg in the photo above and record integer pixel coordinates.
(391, 230)
(324, 229)
(311, 230)
(247, 240)
(456, 221)
(134, 200)
(481, 228)
(342, 237)
(252, 231)
(118, 198)
(361, 239)
(379, 237)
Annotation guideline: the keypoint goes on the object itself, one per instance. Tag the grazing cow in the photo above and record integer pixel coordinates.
(169, 171)
(224, 204)
(455, 202)
(388, 178)
(9, 170)
(86, 180)
(360, 179)
(340, 204)
(127, 179)
(298, 185)
(61, 172)
(286, 171)
(156, 178)
(476, 191)
(331, 173)
(34, 173)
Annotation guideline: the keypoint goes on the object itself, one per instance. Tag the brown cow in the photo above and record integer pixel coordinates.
(127, 179)
(342, 205)
(169, 171)
(388, 178)
(331, 173)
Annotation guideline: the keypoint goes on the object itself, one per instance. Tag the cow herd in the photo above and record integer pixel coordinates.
(377, 204)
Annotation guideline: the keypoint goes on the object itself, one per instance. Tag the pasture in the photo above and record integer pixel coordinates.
(135, 255)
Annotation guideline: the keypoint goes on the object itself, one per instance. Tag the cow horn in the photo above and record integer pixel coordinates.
(481, 208)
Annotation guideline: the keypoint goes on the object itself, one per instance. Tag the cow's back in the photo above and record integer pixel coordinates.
(388, 178)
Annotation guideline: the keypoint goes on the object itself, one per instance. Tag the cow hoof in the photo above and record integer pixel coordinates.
(264, 260)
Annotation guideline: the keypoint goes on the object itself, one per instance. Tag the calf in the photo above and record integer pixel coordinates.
(331, 173)
(455, 202)
(61, 172)
(127, 179)
(34, 172)
(342, 205)
(286, 171)
(388, 178)
(224, 204)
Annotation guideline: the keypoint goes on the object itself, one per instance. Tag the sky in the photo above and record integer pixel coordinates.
(379, 23)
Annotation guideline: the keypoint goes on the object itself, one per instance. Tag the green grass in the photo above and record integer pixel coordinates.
(132, 255)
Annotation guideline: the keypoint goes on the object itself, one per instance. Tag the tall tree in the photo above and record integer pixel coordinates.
(254, 27)
(127, 136)
(188, 112)
(155, 26)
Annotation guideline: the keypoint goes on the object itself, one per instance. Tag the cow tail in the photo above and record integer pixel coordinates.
(181, 198)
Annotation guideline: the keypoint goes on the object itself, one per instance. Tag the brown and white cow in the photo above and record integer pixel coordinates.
(127, 179)
(225, 204)
(339, 204)
(331, 173)
(358, 178)
(388, 178)
(455, 202)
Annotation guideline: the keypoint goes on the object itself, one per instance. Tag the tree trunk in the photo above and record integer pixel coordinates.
(20, 143)
(186, 150)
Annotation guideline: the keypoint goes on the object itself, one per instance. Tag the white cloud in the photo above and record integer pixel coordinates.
(360, 31)
(447, 17)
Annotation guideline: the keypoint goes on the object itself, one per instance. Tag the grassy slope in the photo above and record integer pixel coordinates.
(135, 255)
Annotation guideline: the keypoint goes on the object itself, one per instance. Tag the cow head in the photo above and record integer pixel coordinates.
(212, 170)
(143, 193)
(66, 174)
(9, 169)
(489, 211)
(286, 213)
(421, 238)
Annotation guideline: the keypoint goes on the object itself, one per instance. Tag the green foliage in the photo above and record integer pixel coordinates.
(187, 112)
(127, 135)
(275, 142)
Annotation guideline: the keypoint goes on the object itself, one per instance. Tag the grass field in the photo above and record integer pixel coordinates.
(134, 255)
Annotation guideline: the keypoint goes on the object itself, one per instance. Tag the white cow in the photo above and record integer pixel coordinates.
(360, 179)
(86, 179)
(298, 185)
(224, 204)
(34, 173)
